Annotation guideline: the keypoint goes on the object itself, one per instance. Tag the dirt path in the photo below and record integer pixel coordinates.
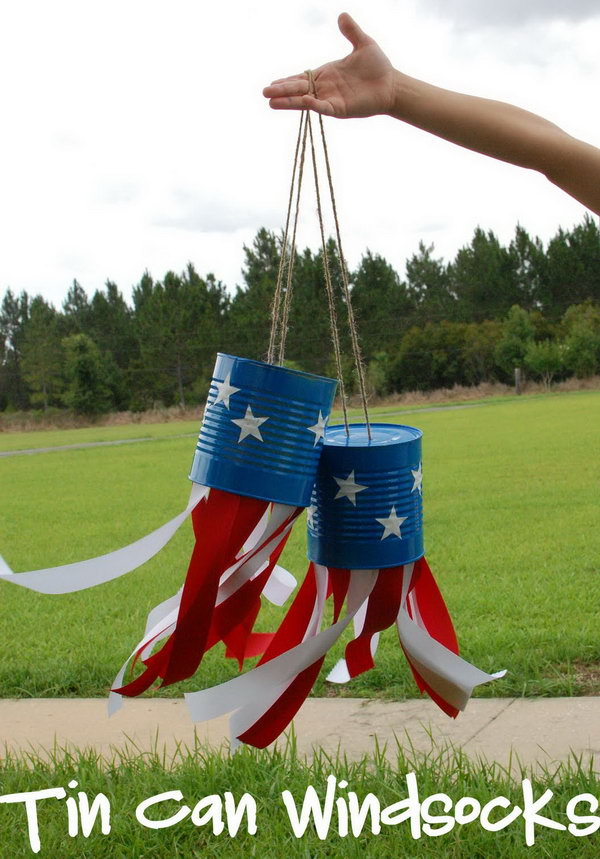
(82, 445)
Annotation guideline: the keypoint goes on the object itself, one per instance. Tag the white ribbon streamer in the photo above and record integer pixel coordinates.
(81, 575)
(450, 676)
(250, 564)
(162, 619)
(248, 715)
(240, 691)
(280, 585)
(339, 673)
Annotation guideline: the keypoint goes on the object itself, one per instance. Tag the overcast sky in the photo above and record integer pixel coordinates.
(134, 133)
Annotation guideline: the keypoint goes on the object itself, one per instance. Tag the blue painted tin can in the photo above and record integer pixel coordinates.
(366, 510)
(263, 430)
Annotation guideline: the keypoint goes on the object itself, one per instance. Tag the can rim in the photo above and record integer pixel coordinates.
(290, 370)
(414, 431)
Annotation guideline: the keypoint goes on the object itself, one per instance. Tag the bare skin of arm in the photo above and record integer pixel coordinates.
(366, 84)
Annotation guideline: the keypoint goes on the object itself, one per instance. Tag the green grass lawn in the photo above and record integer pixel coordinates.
(512, 528)
(265, 776)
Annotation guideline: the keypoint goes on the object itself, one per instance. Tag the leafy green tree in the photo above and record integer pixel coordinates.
(42, 353)
(250, 316)
(582, 342)
(587, 313)
(382, 304)
(572, 268)
(529, 268)
(483, 278)
(378, 374)
(14, 313)
(431, 357)
(545, 360)
(309, 333)
(480, 351)
(428, 285)
(110, 324)
(308, 339)
(87, 391)
(582, 352)
(512, 347)
(178, 328)
(76, 310)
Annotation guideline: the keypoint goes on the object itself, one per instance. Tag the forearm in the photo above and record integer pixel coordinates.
(502, 131)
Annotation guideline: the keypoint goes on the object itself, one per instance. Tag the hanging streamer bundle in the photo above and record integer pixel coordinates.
(365, 546)
(258, 452)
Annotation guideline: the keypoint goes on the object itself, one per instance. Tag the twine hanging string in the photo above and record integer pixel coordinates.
(275, 307)
(290, 270)
(335, 335)
(356, 350)
(280, 309)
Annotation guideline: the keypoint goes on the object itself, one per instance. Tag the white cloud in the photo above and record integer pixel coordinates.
(512, 13)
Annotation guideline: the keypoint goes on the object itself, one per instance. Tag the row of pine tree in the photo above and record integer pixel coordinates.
(473, 319)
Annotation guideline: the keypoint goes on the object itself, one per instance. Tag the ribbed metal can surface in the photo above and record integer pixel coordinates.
(366, 510)
(263, 430)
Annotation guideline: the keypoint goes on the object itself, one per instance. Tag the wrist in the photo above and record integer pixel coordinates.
(406, 91)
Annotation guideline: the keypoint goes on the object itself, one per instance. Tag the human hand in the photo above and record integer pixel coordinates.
(361, 84)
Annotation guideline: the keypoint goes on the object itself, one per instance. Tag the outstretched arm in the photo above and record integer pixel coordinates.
(365, 84)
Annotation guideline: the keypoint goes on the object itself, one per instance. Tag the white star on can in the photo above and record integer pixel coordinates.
(348, 488)
(224, 391)
(318, 428)
(249, 425)
(391, 524)
(418, 477)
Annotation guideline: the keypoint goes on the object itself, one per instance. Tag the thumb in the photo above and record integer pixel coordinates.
(350, 29)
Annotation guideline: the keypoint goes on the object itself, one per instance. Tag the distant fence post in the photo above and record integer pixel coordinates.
(517, 380)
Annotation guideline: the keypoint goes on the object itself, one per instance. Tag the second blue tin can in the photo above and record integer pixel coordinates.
(367, 510)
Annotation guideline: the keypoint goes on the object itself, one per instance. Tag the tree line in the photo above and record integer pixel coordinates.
(475, 318)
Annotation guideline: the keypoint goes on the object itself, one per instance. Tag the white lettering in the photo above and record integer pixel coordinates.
(530, 813)
(592, 819)
(358, 813)
(311, 807)
(214, 807)
(499, 802)
(437, 824)
(247, 806)
(140, 811)
(412, 808)
(88, 813)
(461, 816)
(30, 799)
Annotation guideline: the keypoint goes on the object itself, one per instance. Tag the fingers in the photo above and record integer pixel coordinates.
(303, 102)
(294, 86)
(350, 29)
(300, 77)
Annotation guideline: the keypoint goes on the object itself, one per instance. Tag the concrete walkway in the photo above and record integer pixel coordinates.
(535, 732)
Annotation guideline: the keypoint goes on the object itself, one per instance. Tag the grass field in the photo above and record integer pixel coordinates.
(512, 516)
(265, 776)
